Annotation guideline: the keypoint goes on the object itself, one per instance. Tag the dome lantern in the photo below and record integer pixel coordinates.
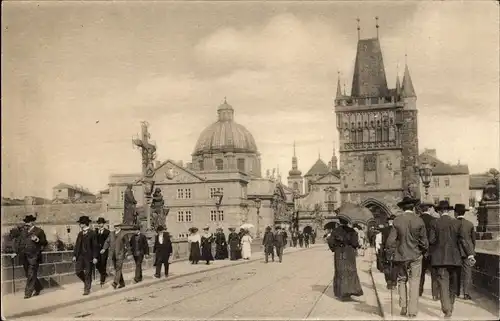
(225, 111)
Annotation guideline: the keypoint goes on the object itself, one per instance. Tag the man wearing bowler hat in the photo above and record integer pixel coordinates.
(465, 277)
(85, 253)
(140, 248)
(32, 242)
(448, 246)
(102, 235)
(118, 248)
(426, 262)
(406, 244)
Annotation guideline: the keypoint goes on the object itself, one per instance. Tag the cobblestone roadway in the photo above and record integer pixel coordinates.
(300, 287)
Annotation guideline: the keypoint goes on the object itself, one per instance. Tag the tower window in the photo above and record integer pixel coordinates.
(201, 165)
(295, 186)
(241, 164)
(219, 164)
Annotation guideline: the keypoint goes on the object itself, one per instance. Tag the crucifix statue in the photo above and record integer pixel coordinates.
(148, 151)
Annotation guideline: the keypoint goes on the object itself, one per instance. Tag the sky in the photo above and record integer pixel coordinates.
(79, 77)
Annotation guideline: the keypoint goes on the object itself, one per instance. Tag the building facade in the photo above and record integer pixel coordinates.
(225, 159)
(449, 182)
(63, 193)
(378, 134)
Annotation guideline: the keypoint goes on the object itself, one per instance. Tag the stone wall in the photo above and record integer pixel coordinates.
(51, 213)
(58, 269)
(486, 273)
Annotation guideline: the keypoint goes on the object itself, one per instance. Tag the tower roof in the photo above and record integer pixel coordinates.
(407, 88)
(319, 168)
(369, 78)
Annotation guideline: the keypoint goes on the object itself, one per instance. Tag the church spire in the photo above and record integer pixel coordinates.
(334, 160)
(407, 88)
(398, 84)
(295, 167)
(339, 92)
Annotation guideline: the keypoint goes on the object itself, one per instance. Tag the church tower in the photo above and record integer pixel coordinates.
(377, 129)
(295, 179)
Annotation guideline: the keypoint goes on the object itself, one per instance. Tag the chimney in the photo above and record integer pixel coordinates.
(430, 152)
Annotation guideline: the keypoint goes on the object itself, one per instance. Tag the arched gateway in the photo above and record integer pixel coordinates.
(379, 210)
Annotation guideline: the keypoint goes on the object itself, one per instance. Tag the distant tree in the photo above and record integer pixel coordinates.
(494, 172)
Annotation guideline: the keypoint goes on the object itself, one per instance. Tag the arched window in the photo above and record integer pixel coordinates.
(219, 164)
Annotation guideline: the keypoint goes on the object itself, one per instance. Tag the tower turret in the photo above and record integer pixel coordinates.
(295, 179)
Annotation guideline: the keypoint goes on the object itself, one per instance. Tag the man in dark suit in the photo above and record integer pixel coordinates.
(85, 253)
(140, 248)
(426, 262)
(162, 250)
(465, 277)
(268, 243)
(279, 240)
(102, 235)
(406, 244)
(233, 239)
(448, 244)
(31, 242)
(118, 248)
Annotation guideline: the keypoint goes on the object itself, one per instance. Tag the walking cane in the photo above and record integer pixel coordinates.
(13, 274)
(390, 273)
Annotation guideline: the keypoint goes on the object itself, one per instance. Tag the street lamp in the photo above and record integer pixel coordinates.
(425, 172)
(258, 203)
(218, 195)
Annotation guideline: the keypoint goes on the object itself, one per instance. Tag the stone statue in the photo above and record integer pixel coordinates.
(129, 206)
(157, 208)
(490, 191)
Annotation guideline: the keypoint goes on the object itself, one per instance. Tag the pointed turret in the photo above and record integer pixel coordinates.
(407, 89)
(339, 91)
(398, 86)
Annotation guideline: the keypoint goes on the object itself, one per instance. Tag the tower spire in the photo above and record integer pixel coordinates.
(339, 92)
(344, 89)
(407, 87)
(398, 84)
(333, 161)
(376, 25)
(294, 155)
(359, 29)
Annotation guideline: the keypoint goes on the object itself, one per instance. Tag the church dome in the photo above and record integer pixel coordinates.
(225, 135)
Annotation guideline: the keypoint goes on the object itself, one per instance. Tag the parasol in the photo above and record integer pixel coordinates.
(246, 226)
(355, 212)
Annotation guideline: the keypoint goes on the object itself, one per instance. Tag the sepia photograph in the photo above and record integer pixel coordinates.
(250, 160)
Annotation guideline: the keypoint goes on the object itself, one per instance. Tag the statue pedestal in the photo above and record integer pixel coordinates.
(489, 221)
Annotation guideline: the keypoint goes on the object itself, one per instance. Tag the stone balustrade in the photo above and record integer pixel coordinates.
(58, 269)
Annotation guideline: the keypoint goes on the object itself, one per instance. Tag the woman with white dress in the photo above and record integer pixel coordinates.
(246, 249)
(194, 241)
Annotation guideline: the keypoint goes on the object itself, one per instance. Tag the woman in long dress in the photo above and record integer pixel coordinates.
(220, 245)
(206, 246)
(343, 241)
(246, 249)
(194, 241)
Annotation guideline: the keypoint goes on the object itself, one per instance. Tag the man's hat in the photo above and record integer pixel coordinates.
(407, 201)
(231, 228)
(193, 229)
(84, 220)
(268, 228)
(101, 220)
(443, 206)
(29, 218)
(160, 228)
(278, 227)
(206, 228)
(460, 208)
(391, 218)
